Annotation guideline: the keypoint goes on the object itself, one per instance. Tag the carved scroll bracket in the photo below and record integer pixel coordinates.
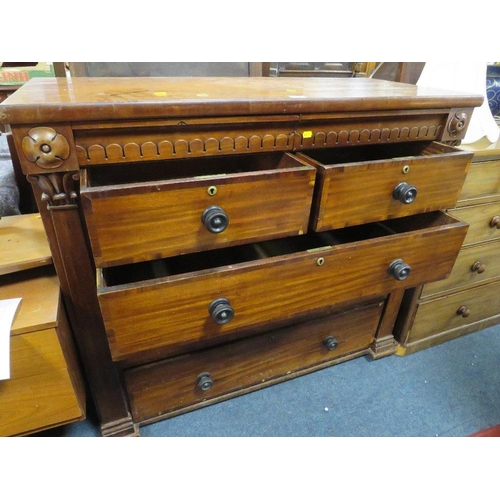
(59, 190)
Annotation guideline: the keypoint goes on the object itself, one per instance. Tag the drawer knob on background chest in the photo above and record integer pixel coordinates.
(215, 219)
(330, 343)
(399, 270)
(463, 311)
(478, 267)
(495, 222)
(204, 381)
(405, 193)
(221, 311)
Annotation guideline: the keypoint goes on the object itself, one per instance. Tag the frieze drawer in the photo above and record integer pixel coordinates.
(185, 137)
(372, 183)
(165, 387)
(155, 210)
(200, 297)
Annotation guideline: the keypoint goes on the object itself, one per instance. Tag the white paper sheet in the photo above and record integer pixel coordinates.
(8, 310)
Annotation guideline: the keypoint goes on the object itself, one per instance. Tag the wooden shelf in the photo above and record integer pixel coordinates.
(23, 243)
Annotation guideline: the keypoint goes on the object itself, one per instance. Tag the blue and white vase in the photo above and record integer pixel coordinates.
(493, 88)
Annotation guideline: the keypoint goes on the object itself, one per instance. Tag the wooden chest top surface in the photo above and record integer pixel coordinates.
(91, 99)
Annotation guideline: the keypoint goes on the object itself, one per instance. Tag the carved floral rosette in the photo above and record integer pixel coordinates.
(45, 147)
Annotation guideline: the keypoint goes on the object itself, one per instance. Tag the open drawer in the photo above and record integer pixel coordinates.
(161, 209)
(191, 298)
(372, 183)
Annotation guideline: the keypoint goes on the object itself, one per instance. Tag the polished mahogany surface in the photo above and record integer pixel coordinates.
(61, 99)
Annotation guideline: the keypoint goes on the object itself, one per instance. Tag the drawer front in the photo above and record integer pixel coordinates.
(187, 138)
(180, 309)
(170, 385)
(483, 220)
(456, 311)
(377, 129)
(483, 181)
(474, 264)
(422, 178)
(137, 222)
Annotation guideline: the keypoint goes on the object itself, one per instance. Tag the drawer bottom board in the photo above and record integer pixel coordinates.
(170, 387)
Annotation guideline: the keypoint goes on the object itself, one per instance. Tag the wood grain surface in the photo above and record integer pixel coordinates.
(162, 387)
(40, 392)
(40, 293)
(89, 99)
(362, 191)
(23, 243)
(143, 221)
(174, 310)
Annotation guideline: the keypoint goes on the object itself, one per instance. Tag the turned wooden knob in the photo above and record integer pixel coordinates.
(463, 311)
(221, 311)
(495, 222)
(204, 381)
(215, 219)
(478, 267)
(399, 270)
(404, 193)
(330, 343)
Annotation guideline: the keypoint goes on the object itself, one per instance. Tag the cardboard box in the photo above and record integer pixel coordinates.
(18, 75)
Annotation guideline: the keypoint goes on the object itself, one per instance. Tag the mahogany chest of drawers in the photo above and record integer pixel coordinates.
(216, 235)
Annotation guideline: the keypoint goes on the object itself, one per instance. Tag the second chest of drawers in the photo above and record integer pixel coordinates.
(469, 300)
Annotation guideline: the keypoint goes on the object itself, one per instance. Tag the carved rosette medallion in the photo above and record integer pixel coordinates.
(45, 147)
(457, 123)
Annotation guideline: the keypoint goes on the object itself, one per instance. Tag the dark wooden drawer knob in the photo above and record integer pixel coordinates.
(330, 343)
(204, 381)
(215, 219)
(463, 311)
(495, 222)
(405, 193)
(478, 267)
(399, 270)
(221, 311)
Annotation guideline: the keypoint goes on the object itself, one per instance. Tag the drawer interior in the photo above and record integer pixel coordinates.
(132, 173)
(311, 242)
(378, 152)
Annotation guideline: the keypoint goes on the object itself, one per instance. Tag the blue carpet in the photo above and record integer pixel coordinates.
(448, 390)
